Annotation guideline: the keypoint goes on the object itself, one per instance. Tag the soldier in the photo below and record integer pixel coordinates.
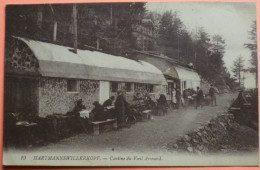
(199, 97)
(212, 94)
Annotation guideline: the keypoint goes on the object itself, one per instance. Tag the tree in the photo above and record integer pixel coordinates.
(104, 25)
(218, 44)
(202, 52)
(216, 64)
(165, 33)
(252, 46)
(174, 39)
(238, 68)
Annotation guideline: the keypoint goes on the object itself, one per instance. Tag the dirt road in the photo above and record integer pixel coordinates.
(151, 135)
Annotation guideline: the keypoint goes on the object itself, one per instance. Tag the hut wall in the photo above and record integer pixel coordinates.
(55, 98)
(142, 89)
(21, 83)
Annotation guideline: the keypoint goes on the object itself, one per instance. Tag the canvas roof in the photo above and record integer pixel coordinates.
(187, 74)
(170, 67)
(59, 61)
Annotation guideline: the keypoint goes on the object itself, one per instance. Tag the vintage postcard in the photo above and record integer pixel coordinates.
(131, 84)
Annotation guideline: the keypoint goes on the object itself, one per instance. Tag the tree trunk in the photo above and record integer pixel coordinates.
(75, 31)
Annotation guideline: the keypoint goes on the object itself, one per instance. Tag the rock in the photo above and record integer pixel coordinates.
(207, 128)
(213, 140)
(190, 149)
(204, 149)
(204, 140)
(195, 141)
(200, 147)
(198, 133)
(222, 124)
(198, 152)
(175, 146)
(187, 138)
(223, 146)
(205, 132)
(188, 144)
(200, 128)
(224, 150)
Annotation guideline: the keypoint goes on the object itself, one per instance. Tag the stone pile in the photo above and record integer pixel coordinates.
(211, 137)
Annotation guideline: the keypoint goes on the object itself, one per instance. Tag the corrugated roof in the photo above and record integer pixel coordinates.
(59, 61)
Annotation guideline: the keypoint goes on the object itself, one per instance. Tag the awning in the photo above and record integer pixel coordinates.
(187, 74)
(59, 61)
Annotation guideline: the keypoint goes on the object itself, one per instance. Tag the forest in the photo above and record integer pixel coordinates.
(108, 27)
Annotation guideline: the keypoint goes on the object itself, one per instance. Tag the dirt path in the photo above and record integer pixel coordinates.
(151, 135)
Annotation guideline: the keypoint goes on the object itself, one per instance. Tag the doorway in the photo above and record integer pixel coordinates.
(21, 95)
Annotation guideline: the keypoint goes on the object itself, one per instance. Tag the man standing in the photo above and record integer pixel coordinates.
(178, 97)
(212, 94)
(199, 97)
(121, 108)
(185, 97)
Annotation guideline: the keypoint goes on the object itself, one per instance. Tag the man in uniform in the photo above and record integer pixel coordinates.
(212, 94)
(199, 97)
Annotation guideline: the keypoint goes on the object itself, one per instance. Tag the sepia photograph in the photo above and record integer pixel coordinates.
(131, 84)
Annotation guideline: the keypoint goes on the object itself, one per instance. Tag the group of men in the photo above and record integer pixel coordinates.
(101, 113)
(122, 107)
(191, 96)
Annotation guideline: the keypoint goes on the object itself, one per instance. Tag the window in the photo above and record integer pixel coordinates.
(149, 88)
(184, 85)
(114, 86)
(169, 88)
(128, 87)
(72, 86)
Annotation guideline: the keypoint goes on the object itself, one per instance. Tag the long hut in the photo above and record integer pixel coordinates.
(45, 78)
(177, 76)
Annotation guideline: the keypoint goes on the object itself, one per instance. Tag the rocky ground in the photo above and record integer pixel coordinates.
(220, 135)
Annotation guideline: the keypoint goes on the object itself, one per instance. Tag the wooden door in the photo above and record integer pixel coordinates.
(20, 95)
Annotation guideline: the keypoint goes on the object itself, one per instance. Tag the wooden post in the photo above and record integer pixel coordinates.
(98, 43)
(111, 15)
(54, 30)
(142, 37)
(39, 17)
(39, 22)
(116, 27)
(75, 32)
(95, 129)
(115, 125)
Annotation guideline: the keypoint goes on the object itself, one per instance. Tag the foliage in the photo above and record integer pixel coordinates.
(238, 68)
(252, 46)
(109, 24)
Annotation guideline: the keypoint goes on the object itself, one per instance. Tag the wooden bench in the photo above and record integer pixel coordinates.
(96, 125)
(147, 114)
(234, 108)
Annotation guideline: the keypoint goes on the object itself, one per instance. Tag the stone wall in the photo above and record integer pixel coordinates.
(19, 57)
(54, 98)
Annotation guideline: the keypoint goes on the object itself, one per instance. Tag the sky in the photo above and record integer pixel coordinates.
(231, 20)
